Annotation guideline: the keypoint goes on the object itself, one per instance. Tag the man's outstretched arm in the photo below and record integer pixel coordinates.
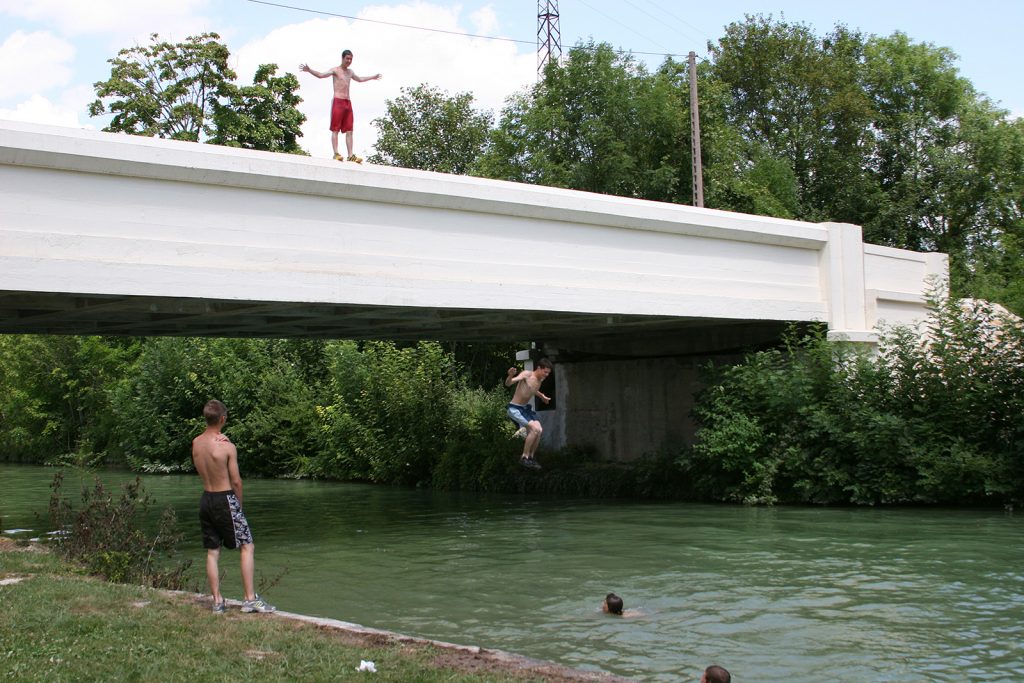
(318, 74)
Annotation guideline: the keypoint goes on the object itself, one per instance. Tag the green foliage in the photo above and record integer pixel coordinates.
(186, 91)
(269, 385)
(427, 129)
(480, 450)
(106, 536)
(877, 131)
(795, 100)
(822, 422)
(597, 122)
(993, 196)
(386, 417)
(53, 395)
(165, 89)
(263, 115)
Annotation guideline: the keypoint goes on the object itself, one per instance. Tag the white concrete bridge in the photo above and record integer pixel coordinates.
(111, 234)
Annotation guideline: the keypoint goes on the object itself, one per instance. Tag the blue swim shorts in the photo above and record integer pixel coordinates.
(521, 415)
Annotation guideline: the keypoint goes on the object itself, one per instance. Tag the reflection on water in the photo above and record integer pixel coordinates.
(774, 594)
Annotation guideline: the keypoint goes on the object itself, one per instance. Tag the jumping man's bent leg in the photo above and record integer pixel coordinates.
(533, 438)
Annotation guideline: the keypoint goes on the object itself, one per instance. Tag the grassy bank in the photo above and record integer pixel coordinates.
(57, 624)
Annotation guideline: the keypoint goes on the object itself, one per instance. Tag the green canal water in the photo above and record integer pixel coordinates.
(773, 594)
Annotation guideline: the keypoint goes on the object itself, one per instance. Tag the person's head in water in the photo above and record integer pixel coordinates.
(612, 604)
(716, 674)
(213, 411)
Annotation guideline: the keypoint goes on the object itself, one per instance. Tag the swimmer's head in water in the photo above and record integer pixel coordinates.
(612, 604)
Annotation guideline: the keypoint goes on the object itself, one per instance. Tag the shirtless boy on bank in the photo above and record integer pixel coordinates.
(519, 411)
(341, 107)
(220, 508)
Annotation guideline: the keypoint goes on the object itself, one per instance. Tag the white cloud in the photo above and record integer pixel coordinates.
(118, 19)
(68, 111)
(30, 62)
(490, 69)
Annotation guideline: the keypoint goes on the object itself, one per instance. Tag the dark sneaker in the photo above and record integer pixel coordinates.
(258, 604)
(529, 463)
(220, 607)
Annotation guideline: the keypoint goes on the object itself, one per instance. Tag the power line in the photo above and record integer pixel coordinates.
(441, 30)
(594, 9)
(698, 29)
(387, 23)
(638, 8)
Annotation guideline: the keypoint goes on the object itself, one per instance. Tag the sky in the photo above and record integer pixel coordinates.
(52, 51)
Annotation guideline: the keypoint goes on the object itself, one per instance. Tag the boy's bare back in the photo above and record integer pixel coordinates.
(214, 455)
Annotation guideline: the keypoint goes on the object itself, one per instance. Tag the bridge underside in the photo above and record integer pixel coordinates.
(118, 235)
(580, 334)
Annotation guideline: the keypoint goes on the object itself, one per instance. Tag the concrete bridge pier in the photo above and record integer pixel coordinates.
(628, 398)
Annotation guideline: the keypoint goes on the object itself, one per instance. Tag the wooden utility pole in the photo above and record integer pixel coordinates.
(698, 170)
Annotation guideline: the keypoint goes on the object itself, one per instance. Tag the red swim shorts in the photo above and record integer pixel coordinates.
(341, 115)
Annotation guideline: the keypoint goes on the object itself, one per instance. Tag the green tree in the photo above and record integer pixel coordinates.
(795, 99)
(165, 89)
(428, 129)
(186, 91)
(882, 132)
(597, 122)
(55, 395)
(923, 128)
(263, 115)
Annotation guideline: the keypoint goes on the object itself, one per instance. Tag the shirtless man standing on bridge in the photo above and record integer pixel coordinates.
(341, 107)
(519, 411)
(220, 509)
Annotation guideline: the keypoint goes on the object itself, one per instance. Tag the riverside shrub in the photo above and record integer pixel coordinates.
(937, 418)
(269, 385)
(105, 535)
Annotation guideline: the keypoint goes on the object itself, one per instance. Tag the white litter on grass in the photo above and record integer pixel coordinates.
(16, 531)
(367, 666)
(12, 580)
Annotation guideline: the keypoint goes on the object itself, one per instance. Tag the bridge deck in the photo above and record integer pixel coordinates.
(112, 234)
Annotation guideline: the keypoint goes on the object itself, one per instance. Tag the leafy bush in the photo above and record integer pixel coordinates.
(53, 394)
(933, 419)
(106, 537)
(270, 387)
(480, 449)
(387, 415)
